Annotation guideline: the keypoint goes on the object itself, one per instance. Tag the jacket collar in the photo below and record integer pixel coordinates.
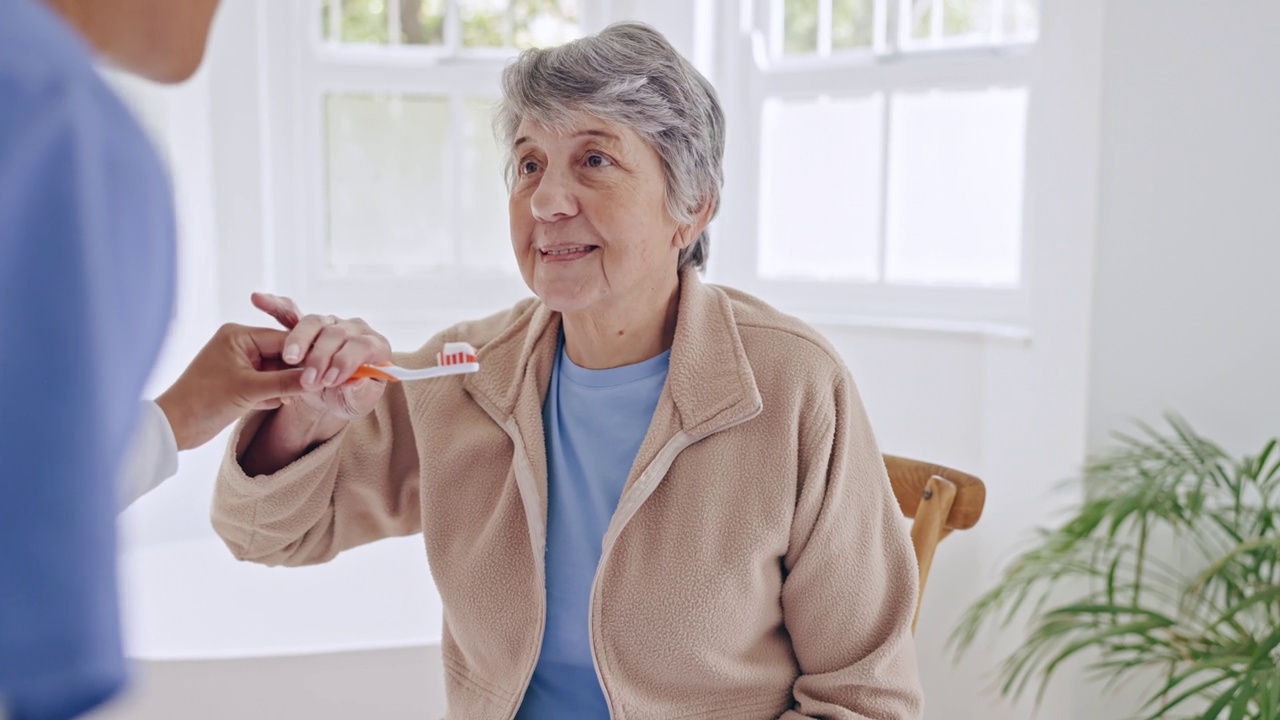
(709, 380)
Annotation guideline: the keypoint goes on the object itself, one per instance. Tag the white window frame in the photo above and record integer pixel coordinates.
(301, 68)
(752, 73)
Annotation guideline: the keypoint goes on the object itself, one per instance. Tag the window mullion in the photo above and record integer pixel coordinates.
(886, 135)
(334, 33)
(452, 28)
(453, 177)
(777, 28)
(997, 21)
(509, 25)
(393, 22)
(824, 28)
(882, 42)
(903, 34)
(935, 21)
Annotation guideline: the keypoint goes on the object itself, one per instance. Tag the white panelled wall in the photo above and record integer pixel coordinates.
(1152, 221)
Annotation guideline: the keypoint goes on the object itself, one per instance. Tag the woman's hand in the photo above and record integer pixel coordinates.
(329, 349)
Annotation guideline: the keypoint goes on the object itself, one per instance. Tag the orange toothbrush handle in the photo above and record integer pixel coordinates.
(372, 371)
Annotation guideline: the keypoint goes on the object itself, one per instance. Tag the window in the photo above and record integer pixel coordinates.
(386, 171)
(881, 172)
(452, 25)
(875, 163)
(413, 184)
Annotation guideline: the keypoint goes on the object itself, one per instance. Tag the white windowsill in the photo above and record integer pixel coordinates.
(1011, 333)
(403, 325)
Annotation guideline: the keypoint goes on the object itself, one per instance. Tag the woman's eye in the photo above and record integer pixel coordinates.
(528, 167)
(596, 160)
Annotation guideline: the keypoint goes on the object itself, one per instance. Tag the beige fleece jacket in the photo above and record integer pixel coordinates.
(756, 567)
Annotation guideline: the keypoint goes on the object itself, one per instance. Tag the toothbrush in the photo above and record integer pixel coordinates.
(457, 358)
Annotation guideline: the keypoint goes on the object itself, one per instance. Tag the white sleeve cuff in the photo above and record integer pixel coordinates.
(152, 457)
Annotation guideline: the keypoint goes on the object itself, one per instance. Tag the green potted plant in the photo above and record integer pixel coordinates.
(1168, 569)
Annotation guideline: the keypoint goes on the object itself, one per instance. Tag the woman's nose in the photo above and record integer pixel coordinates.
(554, 198)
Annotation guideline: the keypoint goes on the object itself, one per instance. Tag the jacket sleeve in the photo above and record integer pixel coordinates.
(851, 580)
(359, 486)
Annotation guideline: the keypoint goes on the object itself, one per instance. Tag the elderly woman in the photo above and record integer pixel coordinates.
(657, 498)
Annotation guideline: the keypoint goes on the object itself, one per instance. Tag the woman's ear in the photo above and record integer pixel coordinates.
(687, 233)
(684, 236)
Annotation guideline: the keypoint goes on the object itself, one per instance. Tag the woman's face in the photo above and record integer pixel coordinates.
(589, 222)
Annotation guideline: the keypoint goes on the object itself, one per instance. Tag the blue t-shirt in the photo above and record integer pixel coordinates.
(594, 421)
(86, 290)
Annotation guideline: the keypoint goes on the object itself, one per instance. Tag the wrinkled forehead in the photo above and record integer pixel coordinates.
(573, 126)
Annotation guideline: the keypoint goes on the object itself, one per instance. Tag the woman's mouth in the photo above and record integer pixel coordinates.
(565, 253)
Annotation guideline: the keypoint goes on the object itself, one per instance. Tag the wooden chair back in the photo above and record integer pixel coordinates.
(938, 500)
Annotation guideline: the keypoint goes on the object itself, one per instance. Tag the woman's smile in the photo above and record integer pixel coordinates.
(565, 253)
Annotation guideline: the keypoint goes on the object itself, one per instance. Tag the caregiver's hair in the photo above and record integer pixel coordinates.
(628, 74)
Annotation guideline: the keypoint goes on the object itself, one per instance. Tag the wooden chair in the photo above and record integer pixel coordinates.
(938, 500)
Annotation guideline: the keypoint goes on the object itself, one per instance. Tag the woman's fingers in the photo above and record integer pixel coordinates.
(283, 309)
(355, 352)
(332, 337)
(331, 349)
(298, 345)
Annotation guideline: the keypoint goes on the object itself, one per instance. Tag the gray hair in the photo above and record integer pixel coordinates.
(631, 75)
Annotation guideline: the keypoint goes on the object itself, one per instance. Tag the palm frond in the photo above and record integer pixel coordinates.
(1171, 563)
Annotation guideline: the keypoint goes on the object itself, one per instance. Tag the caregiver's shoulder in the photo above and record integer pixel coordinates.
(40, 57)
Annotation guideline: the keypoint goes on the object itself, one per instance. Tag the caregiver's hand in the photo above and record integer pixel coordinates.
(329, 349)
(238, 370)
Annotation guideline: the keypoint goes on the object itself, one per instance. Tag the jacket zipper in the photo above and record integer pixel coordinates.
(651, 475)
(522, 470)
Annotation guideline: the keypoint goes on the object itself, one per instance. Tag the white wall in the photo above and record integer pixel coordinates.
(1186, 309)
(1186, 317)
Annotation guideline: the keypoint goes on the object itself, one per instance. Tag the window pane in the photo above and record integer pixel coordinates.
(973, 21)
(364, 21)
(967, 18)
(920, 19)
(421, 22)
(820, 189)
(1021, 18)
(800, 27)
(387, 208)
(518, 23)
(486, 232)
(955, 187)
(852, 24)
(543, 23)
(485, 23)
